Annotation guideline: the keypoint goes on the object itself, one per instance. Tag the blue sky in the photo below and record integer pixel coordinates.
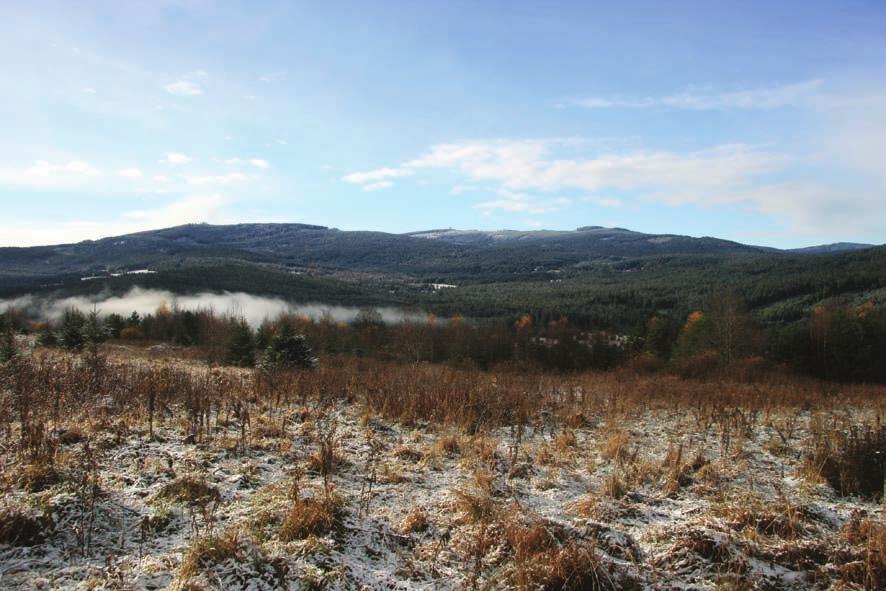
(763, 122)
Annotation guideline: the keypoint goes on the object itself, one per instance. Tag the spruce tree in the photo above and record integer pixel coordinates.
(46, 337)
(71, 335)
(8, 349)
(288, 350)
(241, 346)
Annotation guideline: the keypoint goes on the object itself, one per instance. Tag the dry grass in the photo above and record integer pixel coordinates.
(19, 527)
(189, 490)
(208, 551)
(613, 486)
(408, 454)
(448, 446)
(416, 521)
(851, 460)
(550, 566)
(492, 425)
(782, 520)
(616, 447)
(312, 517)
(476, 501)
(35, 477)
(869, 569)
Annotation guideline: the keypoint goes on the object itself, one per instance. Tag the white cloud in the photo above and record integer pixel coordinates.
(218, 179)
(130, 173)
(45, 174)
(512, 205)
(272, 77)
(374, 176)
(524, 165)
(852, 128)
(377, 186)
(160, 178)
(175, 158)
(701, 99)
(183, 88)
(525, 173)
(514, 202)
(190, 209)
(256, 162)
(608, 202)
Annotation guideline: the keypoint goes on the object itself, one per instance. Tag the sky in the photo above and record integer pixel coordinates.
(762, 122)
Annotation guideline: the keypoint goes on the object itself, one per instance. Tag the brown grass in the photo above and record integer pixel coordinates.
(189, 490)
(19, 527)
(416, 521)
(573, 566)
(36, 477)
(851, 460)
(209, 551)
(312, 517)
(782, 520)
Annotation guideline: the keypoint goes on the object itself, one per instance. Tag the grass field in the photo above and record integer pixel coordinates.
(144, 469)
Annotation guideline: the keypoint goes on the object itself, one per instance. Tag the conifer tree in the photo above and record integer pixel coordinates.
(288, 350)
(241, 347)
(71, 333)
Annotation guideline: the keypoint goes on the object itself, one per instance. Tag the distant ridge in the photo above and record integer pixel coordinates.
(607, 276)
(831, 248)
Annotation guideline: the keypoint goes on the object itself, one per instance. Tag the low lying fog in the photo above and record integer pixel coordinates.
(144, 301)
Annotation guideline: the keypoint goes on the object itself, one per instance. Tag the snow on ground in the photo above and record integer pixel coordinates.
(725, 508)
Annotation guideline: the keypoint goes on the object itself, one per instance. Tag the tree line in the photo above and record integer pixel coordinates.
(841, 342)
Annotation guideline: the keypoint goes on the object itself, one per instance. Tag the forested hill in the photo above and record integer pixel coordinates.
(610, 275)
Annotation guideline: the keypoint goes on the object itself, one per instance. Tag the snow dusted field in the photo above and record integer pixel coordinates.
(645, 499)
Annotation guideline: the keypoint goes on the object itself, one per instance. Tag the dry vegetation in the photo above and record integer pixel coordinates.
(142, 469)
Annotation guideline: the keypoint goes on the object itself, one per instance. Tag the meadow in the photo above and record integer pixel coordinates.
(134, 465)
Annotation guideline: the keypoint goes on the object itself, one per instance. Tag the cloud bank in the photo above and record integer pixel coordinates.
(254, 309)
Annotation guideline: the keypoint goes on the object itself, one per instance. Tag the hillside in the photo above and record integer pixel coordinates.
(606, 276)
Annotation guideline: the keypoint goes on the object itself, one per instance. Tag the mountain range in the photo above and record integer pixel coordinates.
(497, 273)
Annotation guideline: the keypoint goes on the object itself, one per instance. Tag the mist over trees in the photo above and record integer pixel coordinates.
(842, 342)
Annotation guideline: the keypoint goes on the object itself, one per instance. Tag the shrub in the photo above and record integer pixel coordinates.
(699, 365)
